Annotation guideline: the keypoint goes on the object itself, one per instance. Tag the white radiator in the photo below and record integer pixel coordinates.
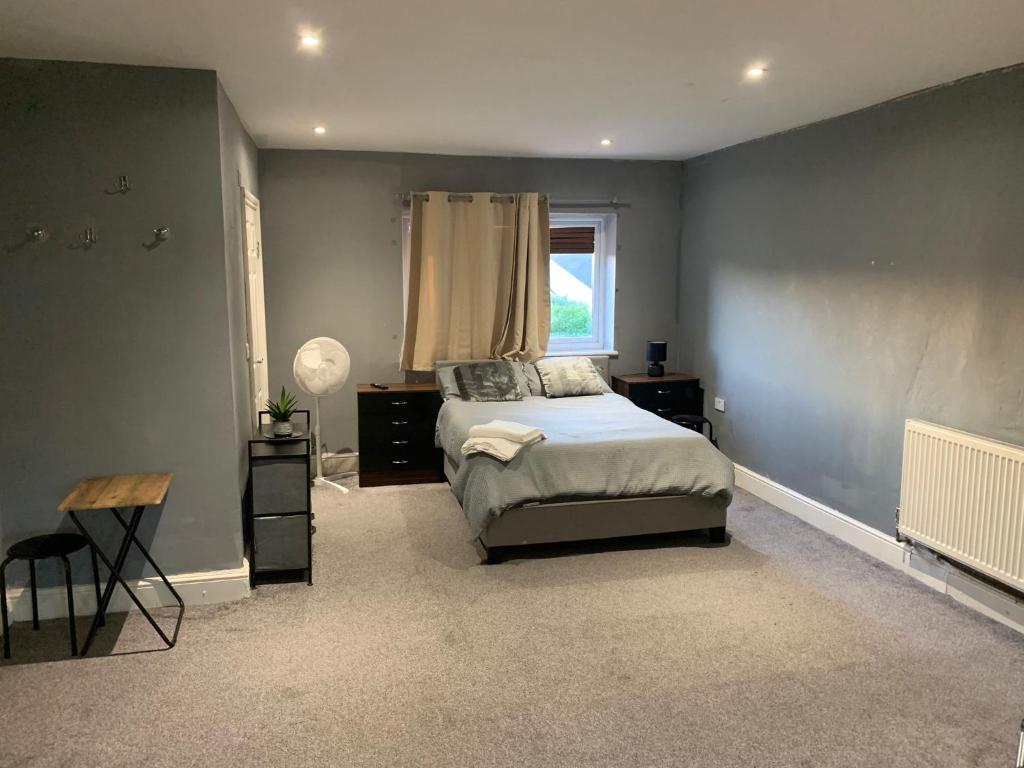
(963, 496)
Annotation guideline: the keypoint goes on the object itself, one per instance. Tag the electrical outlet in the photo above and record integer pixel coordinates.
(720, 404)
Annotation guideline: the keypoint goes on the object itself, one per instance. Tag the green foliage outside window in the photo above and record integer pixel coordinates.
(570, 319)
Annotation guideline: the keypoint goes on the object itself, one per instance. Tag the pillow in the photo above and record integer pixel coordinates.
(570, 377)
(532, 378)
(487, 382)
(446, 381)
(526, 377)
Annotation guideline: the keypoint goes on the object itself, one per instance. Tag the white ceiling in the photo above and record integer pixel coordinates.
(662, 78)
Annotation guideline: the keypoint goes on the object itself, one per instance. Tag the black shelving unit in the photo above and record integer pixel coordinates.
(279, 529)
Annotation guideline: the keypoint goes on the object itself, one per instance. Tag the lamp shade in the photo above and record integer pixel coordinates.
(657, 351)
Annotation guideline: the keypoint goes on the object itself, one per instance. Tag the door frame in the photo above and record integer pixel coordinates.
(254, 350)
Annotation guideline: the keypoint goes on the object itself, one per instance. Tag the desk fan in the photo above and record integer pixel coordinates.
(321, 368)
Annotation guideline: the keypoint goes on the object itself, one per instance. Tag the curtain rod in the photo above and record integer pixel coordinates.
(467, 197)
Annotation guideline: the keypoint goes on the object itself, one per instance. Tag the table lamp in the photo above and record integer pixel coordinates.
(657, 351)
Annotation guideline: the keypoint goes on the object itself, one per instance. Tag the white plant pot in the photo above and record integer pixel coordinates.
(282, 428)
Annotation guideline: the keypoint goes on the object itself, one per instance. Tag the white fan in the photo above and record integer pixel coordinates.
(321, 368)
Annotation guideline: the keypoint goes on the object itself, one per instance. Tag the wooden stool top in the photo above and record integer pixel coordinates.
(116, 491)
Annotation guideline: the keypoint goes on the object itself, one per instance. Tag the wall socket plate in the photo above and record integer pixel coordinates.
(720, 404)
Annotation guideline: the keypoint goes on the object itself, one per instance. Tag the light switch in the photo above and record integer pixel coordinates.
(720, 404)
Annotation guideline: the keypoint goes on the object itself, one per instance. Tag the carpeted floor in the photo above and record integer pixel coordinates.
(784, 648)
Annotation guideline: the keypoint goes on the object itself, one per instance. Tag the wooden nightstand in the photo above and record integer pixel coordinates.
(673, 394)
(396, 434)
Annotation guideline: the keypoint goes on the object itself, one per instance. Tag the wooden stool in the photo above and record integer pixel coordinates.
(40, 548)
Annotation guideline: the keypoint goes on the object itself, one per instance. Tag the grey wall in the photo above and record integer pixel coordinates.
(238, 169)
(841, 278)
(332, 251)
(116, 359)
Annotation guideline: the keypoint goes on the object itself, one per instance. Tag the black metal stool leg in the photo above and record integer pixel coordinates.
(3, 607)
(96, 581)
(35, 601)
(71, 605)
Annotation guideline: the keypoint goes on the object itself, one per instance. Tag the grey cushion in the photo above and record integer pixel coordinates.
(487, 382)
(446, 381)
(532, 378)
(570, 377)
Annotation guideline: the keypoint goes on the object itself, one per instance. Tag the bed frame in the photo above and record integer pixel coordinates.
(588, 519)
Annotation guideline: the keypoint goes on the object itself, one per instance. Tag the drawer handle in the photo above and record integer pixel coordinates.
(399, 423)
(399, 442)
(399, 461)
(662, 410)
(664, 391)
(399, 402)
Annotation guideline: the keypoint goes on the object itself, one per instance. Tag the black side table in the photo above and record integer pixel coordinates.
(279, 524)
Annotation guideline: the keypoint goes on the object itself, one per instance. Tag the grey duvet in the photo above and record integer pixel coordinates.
(596, 447)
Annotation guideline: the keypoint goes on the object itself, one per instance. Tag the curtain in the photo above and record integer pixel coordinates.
(478, 278)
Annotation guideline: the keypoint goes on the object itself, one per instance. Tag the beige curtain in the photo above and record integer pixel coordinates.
(478, 279)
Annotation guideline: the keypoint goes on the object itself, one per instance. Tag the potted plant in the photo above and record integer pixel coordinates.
(281, 411)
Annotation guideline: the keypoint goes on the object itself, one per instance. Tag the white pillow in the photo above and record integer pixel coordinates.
(570, 377)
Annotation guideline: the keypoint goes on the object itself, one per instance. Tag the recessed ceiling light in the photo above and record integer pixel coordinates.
(309, 40)
(755, 73)
(606, 142)
(319, 130)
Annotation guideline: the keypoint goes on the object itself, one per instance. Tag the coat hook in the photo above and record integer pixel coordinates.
(37, 233)
(89, 237)
(123, 185)
(162, 233)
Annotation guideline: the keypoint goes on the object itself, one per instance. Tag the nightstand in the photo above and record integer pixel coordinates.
(673, 394)
(396, 434)
(279, 529)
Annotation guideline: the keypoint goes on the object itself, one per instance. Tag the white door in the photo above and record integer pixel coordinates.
(252, 242)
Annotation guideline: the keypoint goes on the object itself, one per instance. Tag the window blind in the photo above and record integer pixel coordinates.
(572, 239)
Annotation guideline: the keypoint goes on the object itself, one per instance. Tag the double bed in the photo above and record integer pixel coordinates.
(605, 469)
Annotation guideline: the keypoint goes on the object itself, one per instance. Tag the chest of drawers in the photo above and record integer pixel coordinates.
(396, 434)
(673, 394)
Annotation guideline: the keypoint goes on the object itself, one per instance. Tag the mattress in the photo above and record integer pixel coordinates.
(596, 447)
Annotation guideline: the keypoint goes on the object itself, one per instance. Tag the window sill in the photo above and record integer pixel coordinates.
(610, 353)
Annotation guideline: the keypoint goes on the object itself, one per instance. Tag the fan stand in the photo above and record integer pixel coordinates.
(320, 480)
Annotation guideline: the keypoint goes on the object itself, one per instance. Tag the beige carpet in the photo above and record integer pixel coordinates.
(784, 648)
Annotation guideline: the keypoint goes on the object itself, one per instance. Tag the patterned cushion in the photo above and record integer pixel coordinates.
(488, 381)
(570, 377)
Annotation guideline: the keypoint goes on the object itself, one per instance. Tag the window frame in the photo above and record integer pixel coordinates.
(603, 295)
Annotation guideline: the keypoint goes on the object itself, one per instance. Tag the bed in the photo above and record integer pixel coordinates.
(606, 469)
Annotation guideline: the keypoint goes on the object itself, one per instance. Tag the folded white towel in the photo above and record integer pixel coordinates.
(507, 430)
(498, 447)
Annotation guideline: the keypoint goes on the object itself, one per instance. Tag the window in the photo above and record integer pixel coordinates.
(582, 282)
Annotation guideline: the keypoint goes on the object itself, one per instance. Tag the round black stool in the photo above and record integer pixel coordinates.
(696, 423)
(40, 548)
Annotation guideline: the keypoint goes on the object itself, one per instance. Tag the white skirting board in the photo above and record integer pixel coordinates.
(198, 588)
(942, 577)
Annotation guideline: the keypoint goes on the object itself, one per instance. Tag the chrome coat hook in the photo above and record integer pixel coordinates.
(162, 233)
(121, 187)
(37, 234)
(89, 237)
